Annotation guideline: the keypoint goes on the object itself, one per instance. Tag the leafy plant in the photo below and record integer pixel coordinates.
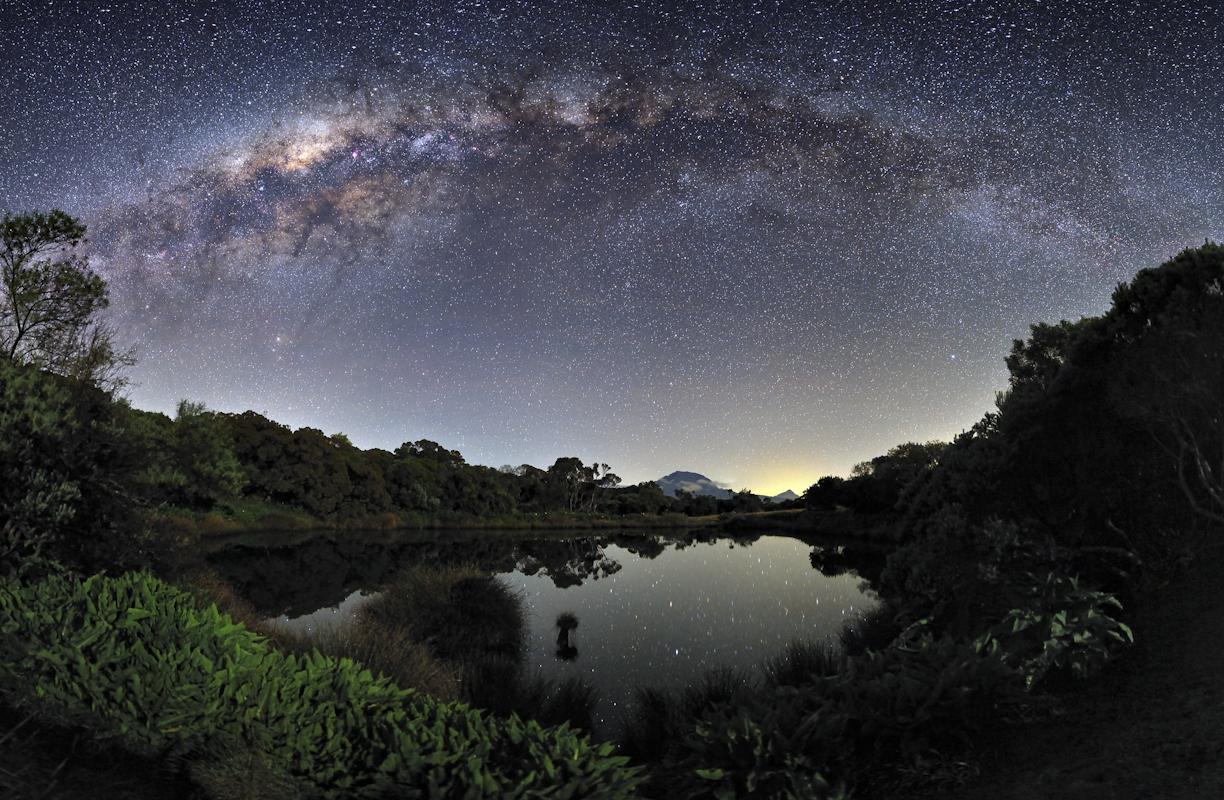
(138, 660)
(754, 760)
(1064, 627)
(64, 466)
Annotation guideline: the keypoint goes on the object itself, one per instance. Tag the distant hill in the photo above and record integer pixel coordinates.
(699, 484)
(693, 482)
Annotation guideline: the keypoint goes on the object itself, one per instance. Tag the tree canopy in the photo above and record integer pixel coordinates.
(50, 300)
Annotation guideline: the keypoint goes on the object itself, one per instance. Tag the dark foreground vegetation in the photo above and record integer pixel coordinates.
(1012, 550)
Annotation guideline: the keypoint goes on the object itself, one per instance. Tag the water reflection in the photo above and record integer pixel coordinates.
(567, 623)
(286, 575)
(655, 610)
(663, 621)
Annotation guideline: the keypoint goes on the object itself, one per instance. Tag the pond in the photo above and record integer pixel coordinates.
(651, 609)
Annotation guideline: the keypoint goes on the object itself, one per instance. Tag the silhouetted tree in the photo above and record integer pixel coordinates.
(50, 300)
(744, 501)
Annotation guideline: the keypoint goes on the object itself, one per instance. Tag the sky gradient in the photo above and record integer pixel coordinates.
(761, 241)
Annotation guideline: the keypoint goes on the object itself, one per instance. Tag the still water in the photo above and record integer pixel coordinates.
(652, 610)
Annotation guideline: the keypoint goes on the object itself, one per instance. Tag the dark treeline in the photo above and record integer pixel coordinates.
(1108, 433)
(202, 460)
(114, 463)
(875, 486)
(206, 458)
(85, 469)
(1106, 441)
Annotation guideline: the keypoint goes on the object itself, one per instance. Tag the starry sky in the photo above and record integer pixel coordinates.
(758, 240)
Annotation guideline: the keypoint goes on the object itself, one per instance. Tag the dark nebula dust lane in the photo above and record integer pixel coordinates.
(761, 240)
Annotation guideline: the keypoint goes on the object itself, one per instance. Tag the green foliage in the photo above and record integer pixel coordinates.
(65, 468)
(697, 505)
(642, 498)
(134, 658)
(744, 501)
(1064, 627)
(473, 624)
(202, 452)
(188, 461)
(755, 759)
(912, 699)
(802, 662)
(302, 468)
(331, 479)
(959, 572)
(1107, 437)
(460, 611)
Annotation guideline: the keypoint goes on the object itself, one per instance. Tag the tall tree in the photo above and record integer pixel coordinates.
(601, 477)
(50, 300)
(204, 455)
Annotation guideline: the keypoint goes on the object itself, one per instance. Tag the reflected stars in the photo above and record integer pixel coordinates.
(658, 623)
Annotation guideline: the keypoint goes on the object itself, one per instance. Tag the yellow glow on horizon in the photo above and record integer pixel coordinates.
(771, 479)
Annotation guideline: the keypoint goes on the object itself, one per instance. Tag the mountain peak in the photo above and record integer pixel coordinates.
(693, 482)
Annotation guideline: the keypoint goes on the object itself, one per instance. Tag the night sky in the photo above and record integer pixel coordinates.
(760, 241)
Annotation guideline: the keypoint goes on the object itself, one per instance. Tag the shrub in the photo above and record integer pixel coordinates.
(907, 701)
(473, 624)
(463, 614)
(548, 702)
(139, 660)
(65, 465)
(874, 630)
(659, 719)
(966, 575)
(383, 650)
(756, 759)
(801, 662)
(1065, 628)
(818, 723)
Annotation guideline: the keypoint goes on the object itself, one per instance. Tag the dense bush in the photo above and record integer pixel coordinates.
(187, 461)
(824, 720)
(1109, 432)
(877, 485)
(755, 757)
(963, 574)
(1064, 627)
(65, 469)
(819, 724)
(134, 658)
(329, 477)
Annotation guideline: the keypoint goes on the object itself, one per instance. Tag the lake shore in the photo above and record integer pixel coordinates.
(841, 525)
(255, 517)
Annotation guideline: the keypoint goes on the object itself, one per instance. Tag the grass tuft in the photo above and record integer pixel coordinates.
(801, 661)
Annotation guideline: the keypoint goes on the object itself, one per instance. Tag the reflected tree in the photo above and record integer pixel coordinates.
(567, 623)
